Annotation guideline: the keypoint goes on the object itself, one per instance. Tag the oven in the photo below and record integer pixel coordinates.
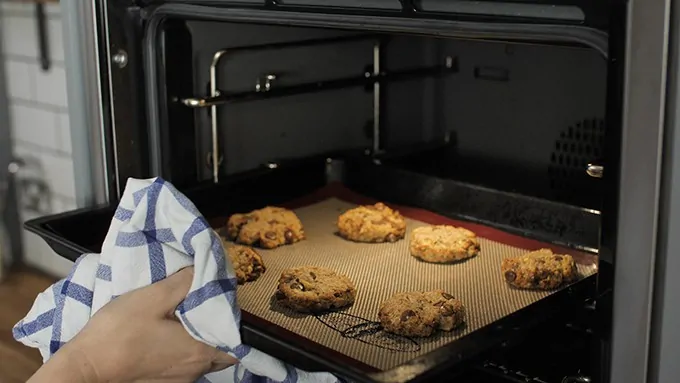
(534, 123)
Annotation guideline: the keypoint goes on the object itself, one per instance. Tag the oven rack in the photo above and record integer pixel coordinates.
(374, 78)
(509, 374)
(517, 376)
(265, 91)
(593, 14)
(531, 360)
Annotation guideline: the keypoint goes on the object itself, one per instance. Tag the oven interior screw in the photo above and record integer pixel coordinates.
(120, 59)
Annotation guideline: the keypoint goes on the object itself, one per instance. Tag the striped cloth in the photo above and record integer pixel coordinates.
(157, 231)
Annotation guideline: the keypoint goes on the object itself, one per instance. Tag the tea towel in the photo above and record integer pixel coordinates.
(156, 231)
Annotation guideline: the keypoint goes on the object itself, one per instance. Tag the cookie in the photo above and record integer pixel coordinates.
(247, 263)
(314, 289)
(443, 243)
(268, 228)
(539, 269)
(421, 314)
(372, 223)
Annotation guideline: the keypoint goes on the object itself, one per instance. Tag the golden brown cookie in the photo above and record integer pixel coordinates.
(421, 313)
(539, 269)
(268, 228)
(314, 289)
(372, 223)
(247, 263)
(443, 243)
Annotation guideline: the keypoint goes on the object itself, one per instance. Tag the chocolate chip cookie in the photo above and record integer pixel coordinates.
(421, 313)
(314, 289)
(540, 270)
(443, 243)
(268, 228)
(247, 263)
(372, 223)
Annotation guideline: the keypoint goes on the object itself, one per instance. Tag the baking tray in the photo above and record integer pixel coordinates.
(305, 182)
(381, 270)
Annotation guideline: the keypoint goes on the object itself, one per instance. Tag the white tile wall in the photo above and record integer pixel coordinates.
(39, 117)
(14, 26)
(51, 86)
(56, 39)
(33, 125)
(20, 80)
(60, 177)
(64, 133)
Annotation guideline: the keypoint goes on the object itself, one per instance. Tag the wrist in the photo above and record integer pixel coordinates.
(68, 365)
(82, 363)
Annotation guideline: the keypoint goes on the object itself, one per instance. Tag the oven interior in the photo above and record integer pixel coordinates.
(521, 120)
(415, 120)
(499, 133)
(516, 117)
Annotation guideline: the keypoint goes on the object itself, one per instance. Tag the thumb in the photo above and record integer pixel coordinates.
(172, 290)
(222, 361)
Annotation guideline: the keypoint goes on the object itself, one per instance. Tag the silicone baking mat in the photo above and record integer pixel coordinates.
(379, 271)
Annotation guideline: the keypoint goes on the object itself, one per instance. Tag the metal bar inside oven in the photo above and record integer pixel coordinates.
(214, 156)
(368, 79)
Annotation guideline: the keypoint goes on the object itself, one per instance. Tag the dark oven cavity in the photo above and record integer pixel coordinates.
(519, 119)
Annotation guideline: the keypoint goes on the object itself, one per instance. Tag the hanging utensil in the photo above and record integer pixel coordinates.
(5, 248)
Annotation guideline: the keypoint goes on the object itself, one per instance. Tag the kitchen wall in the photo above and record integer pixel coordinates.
(39, 124)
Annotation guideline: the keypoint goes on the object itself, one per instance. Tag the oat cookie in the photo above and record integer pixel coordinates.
(314, 289)
(268, 228)
(247, 263)
(421, 313)
(372, 223)
(539, 269)
(443, 243)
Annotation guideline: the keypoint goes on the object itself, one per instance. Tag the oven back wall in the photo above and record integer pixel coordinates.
(531, 111)
(531, 115)
(255, 132)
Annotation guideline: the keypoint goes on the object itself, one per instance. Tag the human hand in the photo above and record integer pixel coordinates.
(136, 338)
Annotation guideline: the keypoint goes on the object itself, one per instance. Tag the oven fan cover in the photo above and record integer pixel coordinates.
(578, 145)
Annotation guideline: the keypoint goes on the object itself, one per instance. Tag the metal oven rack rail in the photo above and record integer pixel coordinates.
(373, 77)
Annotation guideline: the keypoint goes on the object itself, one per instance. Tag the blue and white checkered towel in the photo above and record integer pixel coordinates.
(156, 231)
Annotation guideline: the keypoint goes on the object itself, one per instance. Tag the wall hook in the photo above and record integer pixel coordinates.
(43, 42)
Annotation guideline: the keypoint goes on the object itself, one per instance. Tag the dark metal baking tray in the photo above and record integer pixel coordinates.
(71, 234)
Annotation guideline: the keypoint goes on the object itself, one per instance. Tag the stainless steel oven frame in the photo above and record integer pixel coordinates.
(641, 215)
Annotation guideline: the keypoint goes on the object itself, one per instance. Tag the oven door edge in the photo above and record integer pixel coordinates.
(629, 238)
(665, 327)
(87, 79)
